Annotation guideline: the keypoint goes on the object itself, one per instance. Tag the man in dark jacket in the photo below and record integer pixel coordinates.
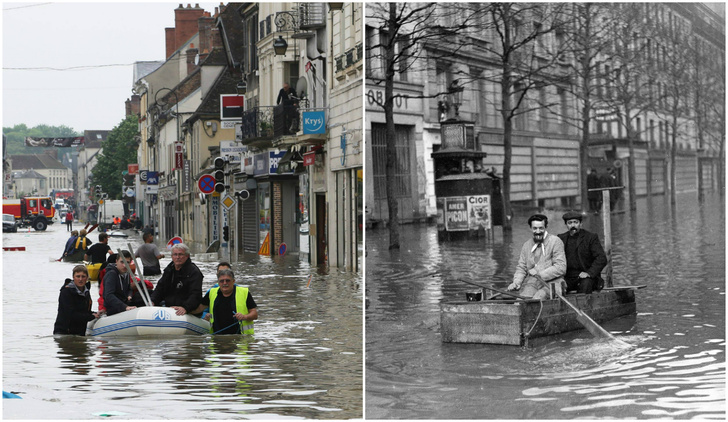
(585, 257)
(181, 284)
(74, 304)
(117, 286)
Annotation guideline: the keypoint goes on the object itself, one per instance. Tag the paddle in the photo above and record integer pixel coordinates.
(92, 228)
(583, 318)
(131, 276)
(139, 272)
(496, 290)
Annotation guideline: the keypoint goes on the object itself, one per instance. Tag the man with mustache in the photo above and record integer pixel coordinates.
(541, 261)
(585, 257)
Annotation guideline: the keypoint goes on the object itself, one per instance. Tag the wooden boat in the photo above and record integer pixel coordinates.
(514, 322)
(147, 321)
(74, 257)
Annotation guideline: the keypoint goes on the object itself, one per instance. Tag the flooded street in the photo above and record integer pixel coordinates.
(305, 360)
(674, 367)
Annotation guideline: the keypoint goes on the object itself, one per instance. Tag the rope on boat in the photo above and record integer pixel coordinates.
(238, 322)
(537, 317)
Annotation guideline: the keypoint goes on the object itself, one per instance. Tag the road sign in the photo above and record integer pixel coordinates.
(173, 241)
(206, 184)
(228, 202)
(282, 249)
(265, 247)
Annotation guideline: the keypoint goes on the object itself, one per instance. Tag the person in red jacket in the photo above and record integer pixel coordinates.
(69, 221)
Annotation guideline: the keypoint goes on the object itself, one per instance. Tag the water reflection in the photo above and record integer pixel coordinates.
(674, 367)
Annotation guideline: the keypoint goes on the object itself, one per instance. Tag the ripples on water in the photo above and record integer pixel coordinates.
(305, 360)
(673, 366)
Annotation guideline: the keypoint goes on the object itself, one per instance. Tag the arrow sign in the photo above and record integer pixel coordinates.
(206, 184)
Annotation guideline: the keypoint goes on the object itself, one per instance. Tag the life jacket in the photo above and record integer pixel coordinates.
(78, 242)
(241, 297)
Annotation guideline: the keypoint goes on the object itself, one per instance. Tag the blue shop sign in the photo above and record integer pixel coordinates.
(152, 178)
(314, 122)
(273, 159)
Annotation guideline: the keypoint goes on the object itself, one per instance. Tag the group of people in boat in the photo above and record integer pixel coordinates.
(570, 261)
(230, 308)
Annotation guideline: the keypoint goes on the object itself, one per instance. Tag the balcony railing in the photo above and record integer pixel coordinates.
(349, 58)
(257, 123)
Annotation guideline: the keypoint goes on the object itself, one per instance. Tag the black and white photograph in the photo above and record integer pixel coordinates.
(591, 139)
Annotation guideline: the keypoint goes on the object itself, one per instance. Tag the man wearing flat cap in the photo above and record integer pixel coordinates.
(541, 261)
(585, 257)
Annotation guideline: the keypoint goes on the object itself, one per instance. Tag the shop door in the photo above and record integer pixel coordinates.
(320, 229)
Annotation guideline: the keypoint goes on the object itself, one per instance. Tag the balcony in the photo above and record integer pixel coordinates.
(261, 125)
(257, 125)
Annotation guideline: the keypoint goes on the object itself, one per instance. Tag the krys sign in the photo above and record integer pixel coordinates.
(314, 122)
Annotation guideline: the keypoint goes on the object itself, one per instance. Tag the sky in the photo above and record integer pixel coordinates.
(105, 38)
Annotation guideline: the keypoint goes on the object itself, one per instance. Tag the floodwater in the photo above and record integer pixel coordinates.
(304, 361)
(673, 367)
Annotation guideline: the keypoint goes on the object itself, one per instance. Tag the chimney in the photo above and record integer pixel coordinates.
(205, 24)
(169, 41)
(191, 53)
(185, 24)
(216, 37)
(133, 105)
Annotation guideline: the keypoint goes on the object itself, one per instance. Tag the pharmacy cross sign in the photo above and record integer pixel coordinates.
(206, 184)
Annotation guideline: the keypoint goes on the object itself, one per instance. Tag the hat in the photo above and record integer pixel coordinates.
(572, 215)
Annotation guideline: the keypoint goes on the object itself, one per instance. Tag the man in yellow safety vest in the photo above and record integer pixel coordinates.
(232, 307)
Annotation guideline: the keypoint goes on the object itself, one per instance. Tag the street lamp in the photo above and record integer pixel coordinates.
(280, 46)
(242, 86)
(455, 91)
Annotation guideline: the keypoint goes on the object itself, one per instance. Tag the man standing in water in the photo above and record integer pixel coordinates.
(232, 307)
(585, 257)
(542, 260)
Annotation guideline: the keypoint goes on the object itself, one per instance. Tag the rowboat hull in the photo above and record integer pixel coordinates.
(147, 321)
(515, 322)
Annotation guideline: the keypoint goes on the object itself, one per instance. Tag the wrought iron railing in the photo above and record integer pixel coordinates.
(257, 123)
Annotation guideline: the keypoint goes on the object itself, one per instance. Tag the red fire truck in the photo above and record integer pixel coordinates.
(34, 211)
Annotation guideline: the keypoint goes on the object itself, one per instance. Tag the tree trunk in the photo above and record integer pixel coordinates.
(391, 136)
(673, 162)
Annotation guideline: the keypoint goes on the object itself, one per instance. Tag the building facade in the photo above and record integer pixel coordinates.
(462, 47)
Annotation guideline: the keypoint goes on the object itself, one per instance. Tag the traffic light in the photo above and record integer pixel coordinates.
(225, 233)
(243, 194)
(97, 191)
(219, 174)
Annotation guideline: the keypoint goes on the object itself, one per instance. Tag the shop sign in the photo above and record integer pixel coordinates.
(133, 168)
(232, 150)
(314, 122)
(261, 164)
(215, 217)
(179, 156)
(273, 159)
(309, 158)
(456, 214)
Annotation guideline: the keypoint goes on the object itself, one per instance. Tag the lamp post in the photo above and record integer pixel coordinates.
(285, 21)
(455, 92)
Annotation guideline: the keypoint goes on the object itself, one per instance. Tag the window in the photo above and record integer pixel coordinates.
(402, 171)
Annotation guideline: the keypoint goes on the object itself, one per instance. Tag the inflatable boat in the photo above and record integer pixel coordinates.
(150, 321)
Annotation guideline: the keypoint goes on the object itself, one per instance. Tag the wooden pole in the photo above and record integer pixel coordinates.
(607, 223)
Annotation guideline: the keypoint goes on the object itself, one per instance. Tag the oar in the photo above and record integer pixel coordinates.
(131, 276)
(92, 228)
(496, 290)
(144, 291)
(583, 318)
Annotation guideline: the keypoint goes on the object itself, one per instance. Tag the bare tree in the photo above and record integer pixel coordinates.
(673, 44)
(521, 64)
(405, 30)
(628, 86)
(585, 41)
